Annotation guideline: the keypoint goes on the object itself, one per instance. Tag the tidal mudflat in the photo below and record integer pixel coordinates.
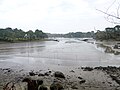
(78, 61)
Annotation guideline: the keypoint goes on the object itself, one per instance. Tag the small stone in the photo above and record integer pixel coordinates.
(80, 78)
(47, 74)
(103, 82)
(9, 70)
(72, 71)
(32, 73)
(50, 71)
(82, 81)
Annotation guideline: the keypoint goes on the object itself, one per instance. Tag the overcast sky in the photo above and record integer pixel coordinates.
(54, 16)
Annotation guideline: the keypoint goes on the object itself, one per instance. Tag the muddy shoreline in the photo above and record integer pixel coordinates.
(80, 78)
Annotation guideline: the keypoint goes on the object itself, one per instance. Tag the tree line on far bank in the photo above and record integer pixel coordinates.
(13, 35)
(74, 35)
(110, 33)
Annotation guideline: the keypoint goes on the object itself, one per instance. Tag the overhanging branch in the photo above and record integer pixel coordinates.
(108, 14)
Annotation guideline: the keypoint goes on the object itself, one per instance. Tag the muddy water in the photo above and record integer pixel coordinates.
(46, 54)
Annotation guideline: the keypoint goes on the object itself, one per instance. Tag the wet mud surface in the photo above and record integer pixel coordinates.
(80, 78)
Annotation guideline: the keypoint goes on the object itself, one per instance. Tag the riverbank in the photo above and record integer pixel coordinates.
(20, 41)
(79, 78)
(108, 46)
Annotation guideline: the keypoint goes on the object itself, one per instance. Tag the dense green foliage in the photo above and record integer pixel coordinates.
(74, 35)
(108, 34)
(13, 35)
(80, 35)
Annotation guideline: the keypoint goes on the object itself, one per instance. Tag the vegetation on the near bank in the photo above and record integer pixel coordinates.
(14, 35)
(110, 33)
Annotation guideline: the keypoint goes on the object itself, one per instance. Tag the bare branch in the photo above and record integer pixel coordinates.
(110, 5)
(108, 14)
(118, 10)
(112, 17)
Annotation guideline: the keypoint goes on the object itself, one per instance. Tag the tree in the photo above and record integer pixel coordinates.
(109, 33)
(19, 34)
(30, 35)
(39, 34)
(112, 16)
(11, 35)
(100, 35)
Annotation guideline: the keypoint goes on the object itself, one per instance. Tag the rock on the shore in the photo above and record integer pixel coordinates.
(42, 88)
(109, 50)
(40, 74)
(33, 84)
(32, 73)
(56, 86)
(59, 74)
(80, 78)
(82, 81)
(87, 68)
(115, 77)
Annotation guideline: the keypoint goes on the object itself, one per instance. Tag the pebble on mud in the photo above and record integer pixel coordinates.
(32, 73)
(82, 81)
(80, 78)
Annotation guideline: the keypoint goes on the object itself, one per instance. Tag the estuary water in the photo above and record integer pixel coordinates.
(44, 54)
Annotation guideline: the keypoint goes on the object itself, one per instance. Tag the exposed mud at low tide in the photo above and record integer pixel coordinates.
(79, 78)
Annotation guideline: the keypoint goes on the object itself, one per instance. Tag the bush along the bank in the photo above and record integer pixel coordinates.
(110, 33)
